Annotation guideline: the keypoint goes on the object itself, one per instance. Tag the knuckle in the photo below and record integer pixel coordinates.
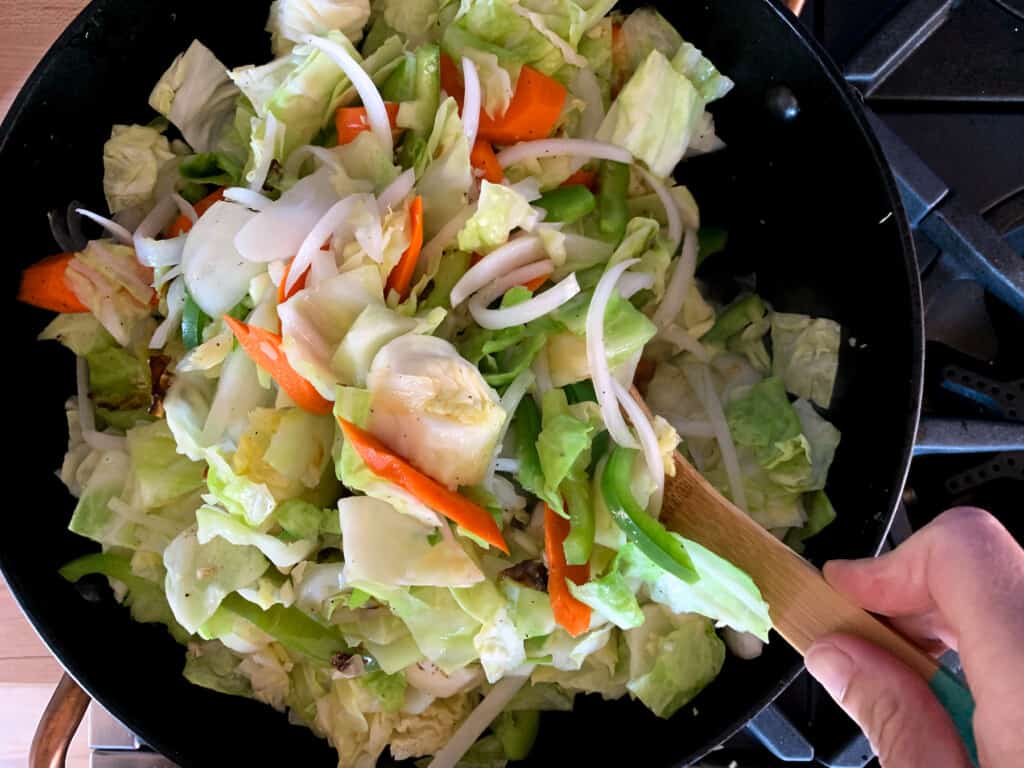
(971, 527)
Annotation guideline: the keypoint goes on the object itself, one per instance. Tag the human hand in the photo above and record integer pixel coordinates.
(957, 583)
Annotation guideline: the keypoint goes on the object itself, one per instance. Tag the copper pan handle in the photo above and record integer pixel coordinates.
(58, 725)
(795, 6)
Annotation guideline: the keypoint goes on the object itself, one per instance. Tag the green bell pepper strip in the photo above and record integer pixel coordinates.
(517, 732)
(734, 319)
(106, 564)
(710, 240)
(193, 321)
(640, 528)
(525, 429)
(290, 627)
(613, 214)
(401, 84)
(566, 204)
(579, 544)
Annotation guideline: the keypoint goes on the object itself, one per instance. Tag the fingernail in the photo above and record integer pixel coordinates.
(830, 667)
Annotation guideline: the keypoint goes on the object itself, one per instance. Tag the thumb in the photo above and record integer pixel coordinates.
(895, 708)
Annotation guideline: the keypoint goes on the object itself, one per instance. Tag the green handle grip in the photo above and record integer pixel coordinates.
(958, 702)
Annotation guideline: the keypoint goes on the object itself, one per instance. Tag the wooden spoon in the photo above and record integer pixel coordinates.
(802, 605)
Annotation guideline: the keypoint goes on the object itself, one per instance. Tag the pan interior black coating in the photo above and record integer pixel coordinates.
(808, 207)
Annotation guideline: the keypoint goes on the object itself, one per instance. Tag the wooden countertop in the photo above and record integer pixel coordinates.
(28, 672)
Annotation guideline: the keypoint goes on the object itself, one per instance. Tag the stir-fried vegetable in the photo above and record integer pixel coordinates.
(447, 242)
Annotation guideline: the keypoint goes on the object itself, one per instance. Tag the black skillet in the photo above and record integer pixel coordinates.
(810, 207)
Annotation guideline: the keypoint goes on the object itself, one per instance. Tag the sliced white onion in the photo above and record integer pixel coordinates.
(337, 215)
(59, 232)
(104, 442)
(156, 220)
(597, 359)
(542, 371)
(675, 221)
(160, 253)
(395, 192)
(520, 314)
(699, 378)
(303, 331)
(322, 269)
(300, 155)
(679, 284)
(167, 276)
(587, 88)
(185, 207)
(684, 342)
(524, 274)
(376, 112)
(86, 417)
(112, 227)
(175, 308)
(593, 150)
(75, 227)
(509, 403)
(481, 717)
(252, 200)
(497, 264)
(648, 443)
(632, 283)
(471, 100)
(506, 465)
(445, 236)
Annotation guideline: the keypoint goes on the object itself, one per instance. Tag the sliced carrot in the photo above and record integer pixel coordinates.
(43, 285)
(351, 121)
(451, 78)
(183, 223)
(483, 159)
(475, 258)
(400, 279)
(537, 282)
(264, 347)
(535, 108)
(282, 295)
(393, 468)
(570, 613)
(582, 177)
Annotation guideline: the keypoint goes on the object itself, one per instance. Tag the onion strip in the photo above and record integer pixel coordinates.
(699, 378)
(532, 309)
(86, 416)
(337, 215)
(471, 100)
(185, 207)
(679, 284)
(648, 443)
(112, 227)
(675, 220)
(509, 403)
(175, 308)
(436, 245)
(597, 359)
(252, 200)
(396, 191)
(499, 262)
(684, 342)
(595, 150)
(473, 726)
(376, 112)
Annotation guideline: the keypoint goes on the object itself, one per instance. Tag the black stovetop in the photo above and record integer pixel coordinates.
(946, 80)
